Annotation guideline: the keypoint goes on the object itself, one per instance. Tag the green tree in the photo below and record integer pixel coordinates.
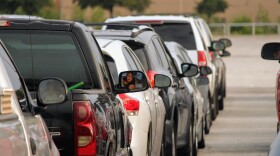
(29, 7)
(136, 5)
(106, 4)
(210, 7)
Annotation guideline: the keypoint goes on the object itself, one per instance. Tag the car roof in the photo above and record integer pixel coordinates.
(142, 37)
(150, 18)
(37, 24)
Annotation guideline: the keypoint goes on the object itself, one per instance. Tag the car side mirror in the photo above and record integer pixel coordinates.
(52, 91)
(189, 70)
(133, 81)
(226, 41)
(205, 70)
(271, 51)
(217, 45)
(162, 81)
(225, 53)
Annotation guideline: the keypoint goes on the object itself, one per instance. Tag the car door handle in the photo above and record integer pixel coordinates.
(33, 146)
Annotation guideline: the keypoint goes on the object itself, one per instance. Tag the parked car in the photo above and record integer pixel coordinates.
(216, 58)
(23, 131)
(145, 109)
(150, 50)
(271, 51)
(201, 111)
(183, 30)
(91, 119)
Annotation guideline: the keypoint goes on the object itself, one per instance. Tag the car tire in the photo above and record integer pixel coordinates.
(149, 142)
(208, 119)
(221, 103)
(201, 143)
(174, 140)
(188, 149)
(214, 107)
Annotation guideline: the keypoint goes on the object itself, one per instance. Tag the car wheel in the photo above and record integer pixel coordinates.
(201, 143)
(149, 141)
(214, 107)
(110, 151)
(162, 147)
(173, 139)
(221, 103)
(208, 119)
(188, 149)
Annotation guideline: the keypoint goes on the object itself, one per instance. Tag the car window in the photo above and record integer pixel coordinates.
(136, 61)
(161, 52)
(178, 32)
(184, 54)
(130, 61)
(15, 80)
(140, 52)
(57, 54)
(112, 68)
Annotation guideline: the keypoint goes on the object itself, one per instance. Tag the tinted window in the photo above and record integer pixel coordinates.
(15, 80)
(112, 68)
(129, 60)
(178, 32)
(56, 54)
(140, 52)
(161, 52)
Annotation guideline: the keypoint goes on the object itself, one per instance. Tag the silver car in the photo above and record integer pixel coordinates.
(23, 133)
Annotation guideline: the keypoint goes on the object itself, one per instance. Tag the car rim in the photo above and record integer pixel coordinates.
(173, 142)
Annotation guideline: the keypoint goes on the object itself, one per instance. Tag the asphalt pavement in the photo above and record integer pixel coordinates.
(247, 125)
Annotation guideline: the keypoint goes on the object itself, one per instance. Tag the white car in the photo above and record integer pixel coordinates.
(182, 29)
(22, 132)
(145, 109)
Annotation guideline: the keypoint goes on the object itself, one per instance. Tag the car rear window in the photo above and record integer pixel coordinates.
(178, 32)
(41, 54)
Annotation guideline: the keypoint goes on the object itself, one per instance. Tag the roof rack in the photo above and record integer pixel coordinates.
(136, 29)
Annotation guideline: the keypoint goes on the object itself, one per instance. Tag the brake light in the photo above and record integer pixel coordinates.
(211, 54)
(149, 22)
(130, 104)
(201, 59)
(151, 76)
(84, 129)
(4, 23)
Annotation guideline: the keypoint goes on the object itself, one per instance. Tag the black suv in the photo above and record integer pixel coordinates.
(89, 119)
(178, 101)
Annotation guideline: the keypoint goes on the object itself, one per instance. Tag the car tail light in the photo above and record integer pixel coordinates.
(151, 76)
(4, 23)
(201, 59)
(130, 104)
(211, 54)
(84, 129)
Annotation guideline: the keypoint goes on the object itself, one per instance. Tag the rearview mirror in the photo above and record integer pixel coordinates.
(189, 70)
(271, 51)
(218, 45)
(133, 81)
(226, 42)
(225, 53)
(162, 81)
(205, 70)
(52, 91)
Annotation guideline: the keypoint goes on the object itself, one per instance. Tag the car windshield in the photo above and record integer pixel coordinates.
(178, 32)
(41, 54)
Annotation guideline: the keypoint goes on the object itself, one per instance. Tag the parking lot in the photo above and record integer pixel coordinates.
(247, 125)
